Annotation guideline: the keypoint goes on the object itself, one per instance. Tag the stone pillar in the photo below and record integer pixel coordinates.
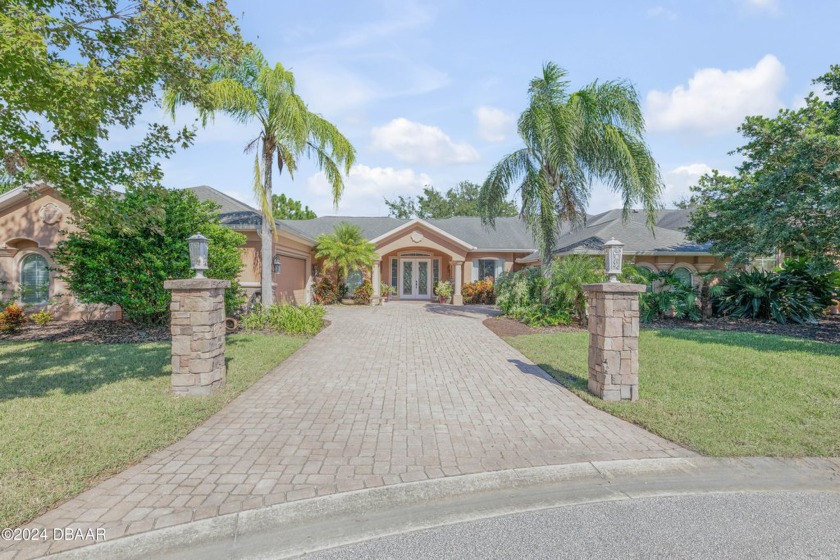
(457, 298)
(614, 340)
(375, 279)
(198, 335)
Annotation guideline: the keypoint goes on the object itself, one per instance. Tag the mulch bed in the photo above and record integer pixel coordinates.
(94, 332)
(826, 330)
(505, 326)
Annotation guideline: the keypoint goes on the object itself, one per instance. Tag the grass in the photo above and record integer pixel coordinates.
(73, 414)
(719, 393)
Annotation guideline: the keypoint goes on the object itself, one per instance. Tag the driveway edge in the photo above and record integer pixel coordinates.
(296, 528)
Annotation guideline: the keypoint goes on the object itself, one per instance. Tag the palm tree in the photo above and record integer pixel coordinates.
(254, 90)
(344, 250)
(570, 140)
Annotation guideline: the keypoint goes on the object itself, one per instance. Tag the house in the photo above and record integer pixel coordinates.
(412, 253)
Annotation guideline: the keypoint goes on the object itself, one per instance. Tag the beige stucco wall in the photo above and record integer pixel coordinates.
(34, 225)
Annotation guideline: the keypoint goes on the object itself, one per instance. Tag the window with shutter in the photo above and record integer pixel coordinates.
(34, 280)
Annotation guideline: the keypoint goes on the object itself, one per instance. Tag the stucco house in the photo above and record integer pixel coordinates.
(412, 254)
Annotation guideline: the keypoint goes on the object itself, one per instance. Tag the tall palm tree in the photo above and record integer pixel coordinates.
(254, 90)
(570, 140)
(344, 250)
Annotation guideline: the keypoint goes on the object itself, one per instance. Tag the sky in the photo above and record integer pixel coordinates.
(429, 92)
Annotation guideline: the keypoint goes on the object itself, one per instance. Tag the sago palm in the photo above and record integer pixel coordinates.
(571, 139)
(254, 90)
(344, 250)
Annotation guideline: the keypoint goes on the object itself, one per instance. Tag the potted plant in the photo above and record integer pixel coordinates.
(385, 290)
(444, 290)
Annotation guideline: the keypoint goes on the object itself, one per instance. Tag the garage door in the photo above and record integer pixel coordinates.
(291, 282)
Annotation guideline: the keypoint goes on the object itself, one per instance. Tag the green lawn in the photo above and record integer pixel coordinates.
(73, 414)
(719, 393)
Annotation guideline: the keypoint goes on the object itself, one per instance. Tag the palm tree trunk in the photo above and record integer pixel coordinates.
(267, 233)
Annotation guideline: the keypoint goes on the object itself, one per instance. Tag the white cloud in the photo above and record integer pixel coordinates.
(414, 142)
(679, 180)
(716, 101)
(661, 12)
(364, 190)
(763, 7)
(494, 125)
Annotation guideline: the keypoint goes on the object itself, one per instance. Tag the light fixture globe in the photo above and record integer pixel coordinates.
(198, 254)
(613, 253)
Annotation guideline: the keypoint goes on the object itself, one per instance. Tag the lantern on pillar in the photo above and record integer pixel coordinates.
(613, 252)
(198, 254)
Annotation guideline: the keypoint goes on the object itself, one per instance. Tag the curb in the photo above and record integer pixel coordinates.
(296, 528)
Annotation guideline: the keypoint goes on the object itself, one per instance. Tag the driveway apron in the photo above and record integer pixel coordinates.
(384, 395)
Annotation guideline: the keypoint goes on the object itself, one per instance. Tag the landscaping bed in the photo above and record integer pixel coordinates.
(826, 329)
(720, 393)
(505, 326)
(95, 332)
(75, 414)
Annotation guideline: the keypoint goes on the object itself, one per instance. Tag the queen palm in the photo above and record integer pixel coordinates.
(254, 90)
(570, 140)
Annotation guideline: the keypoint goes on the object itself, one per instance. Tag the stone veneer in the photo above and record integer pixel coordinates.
(614, 340)
(198, 335)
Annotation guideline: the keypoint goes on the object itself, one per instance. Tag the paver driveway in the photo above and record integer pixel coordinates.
(384, 395)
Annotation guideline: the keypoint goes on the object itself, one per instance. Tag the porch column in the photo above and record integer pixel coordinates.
(457, 298)
(375, 278)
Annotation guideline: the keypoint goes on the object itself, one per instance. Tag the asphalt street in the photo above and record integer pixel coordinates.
(741, 525)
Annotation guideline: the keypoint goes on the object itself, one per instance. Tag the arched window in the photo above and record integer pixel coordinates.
(684, 275)
(34, 279)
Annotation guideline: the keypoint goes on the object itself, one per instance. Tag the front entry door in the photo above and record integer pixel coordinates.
(415, 282)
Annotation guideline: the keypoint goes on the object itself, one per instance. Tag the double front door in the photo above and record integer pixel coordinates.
(415, 279)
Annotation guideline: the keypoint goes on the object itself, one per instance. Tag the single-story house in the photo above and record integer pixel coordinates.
(412, 253)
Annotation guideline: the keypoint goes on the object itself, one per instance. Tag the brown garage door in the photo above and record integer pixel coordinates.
(291, 282)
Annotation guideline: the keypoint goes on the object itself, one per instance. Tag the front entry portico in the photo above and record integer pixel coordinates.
(415, 279)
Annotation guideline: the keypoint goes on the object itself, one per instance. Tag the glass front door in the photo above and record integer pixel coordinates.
(415, 282)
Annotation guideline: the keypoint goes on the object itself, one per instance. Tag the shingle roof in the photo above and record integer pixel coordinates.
(509, 234)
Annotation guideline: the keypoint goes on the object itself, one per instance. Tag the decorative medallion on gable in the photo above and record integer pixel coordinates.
(50, 213)
(416, 236)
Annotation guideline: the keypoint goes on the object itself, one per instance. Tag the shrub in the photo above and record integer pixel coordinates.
(284, 318)
(12, 319)
(326, 292)
(566, 279)
(444, 289)
(670, 298)
(523, 288)
(480, 291)
(363, 293)
(796, 293)
(538, 315)
(42, 318)
(129, 244)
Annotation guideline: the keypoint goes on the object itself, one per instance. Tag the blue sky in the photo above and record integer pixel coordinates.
(429, 92)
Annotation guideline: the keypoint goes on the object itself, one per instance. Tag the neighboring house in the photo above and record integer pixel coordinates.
(32, 223)
(412, 254)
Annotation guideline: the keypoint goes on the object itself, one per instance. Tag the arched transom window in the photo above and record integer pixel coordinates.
(34, 279)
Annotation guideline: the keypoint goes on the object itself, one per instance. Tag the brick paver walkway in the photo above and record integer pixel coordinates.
(385, 395)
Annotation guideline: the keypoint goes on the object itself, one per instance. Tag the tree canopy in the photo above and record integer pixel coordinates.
(254, 90)
(785, 195)
(344, 250)
(462, 200)
(72, 71)
(572, 139)
(285, 208)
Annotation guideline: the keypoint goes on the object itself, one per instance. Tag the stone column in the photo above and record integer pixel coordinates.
(614, 340)
(457, 298)
(198, 335)
(375, 279)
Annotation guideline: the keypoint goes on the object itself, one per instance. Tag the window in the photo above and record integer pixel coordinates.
(34, 279)
(764, 264)
(684, 275)
(394, 274)
(489, 267)
(354, 279)
(435, 272)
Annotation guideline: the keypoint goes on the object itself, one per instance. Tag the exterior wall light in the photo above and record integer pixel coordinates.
(613, 252)
(276, 263)
(198, 254)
